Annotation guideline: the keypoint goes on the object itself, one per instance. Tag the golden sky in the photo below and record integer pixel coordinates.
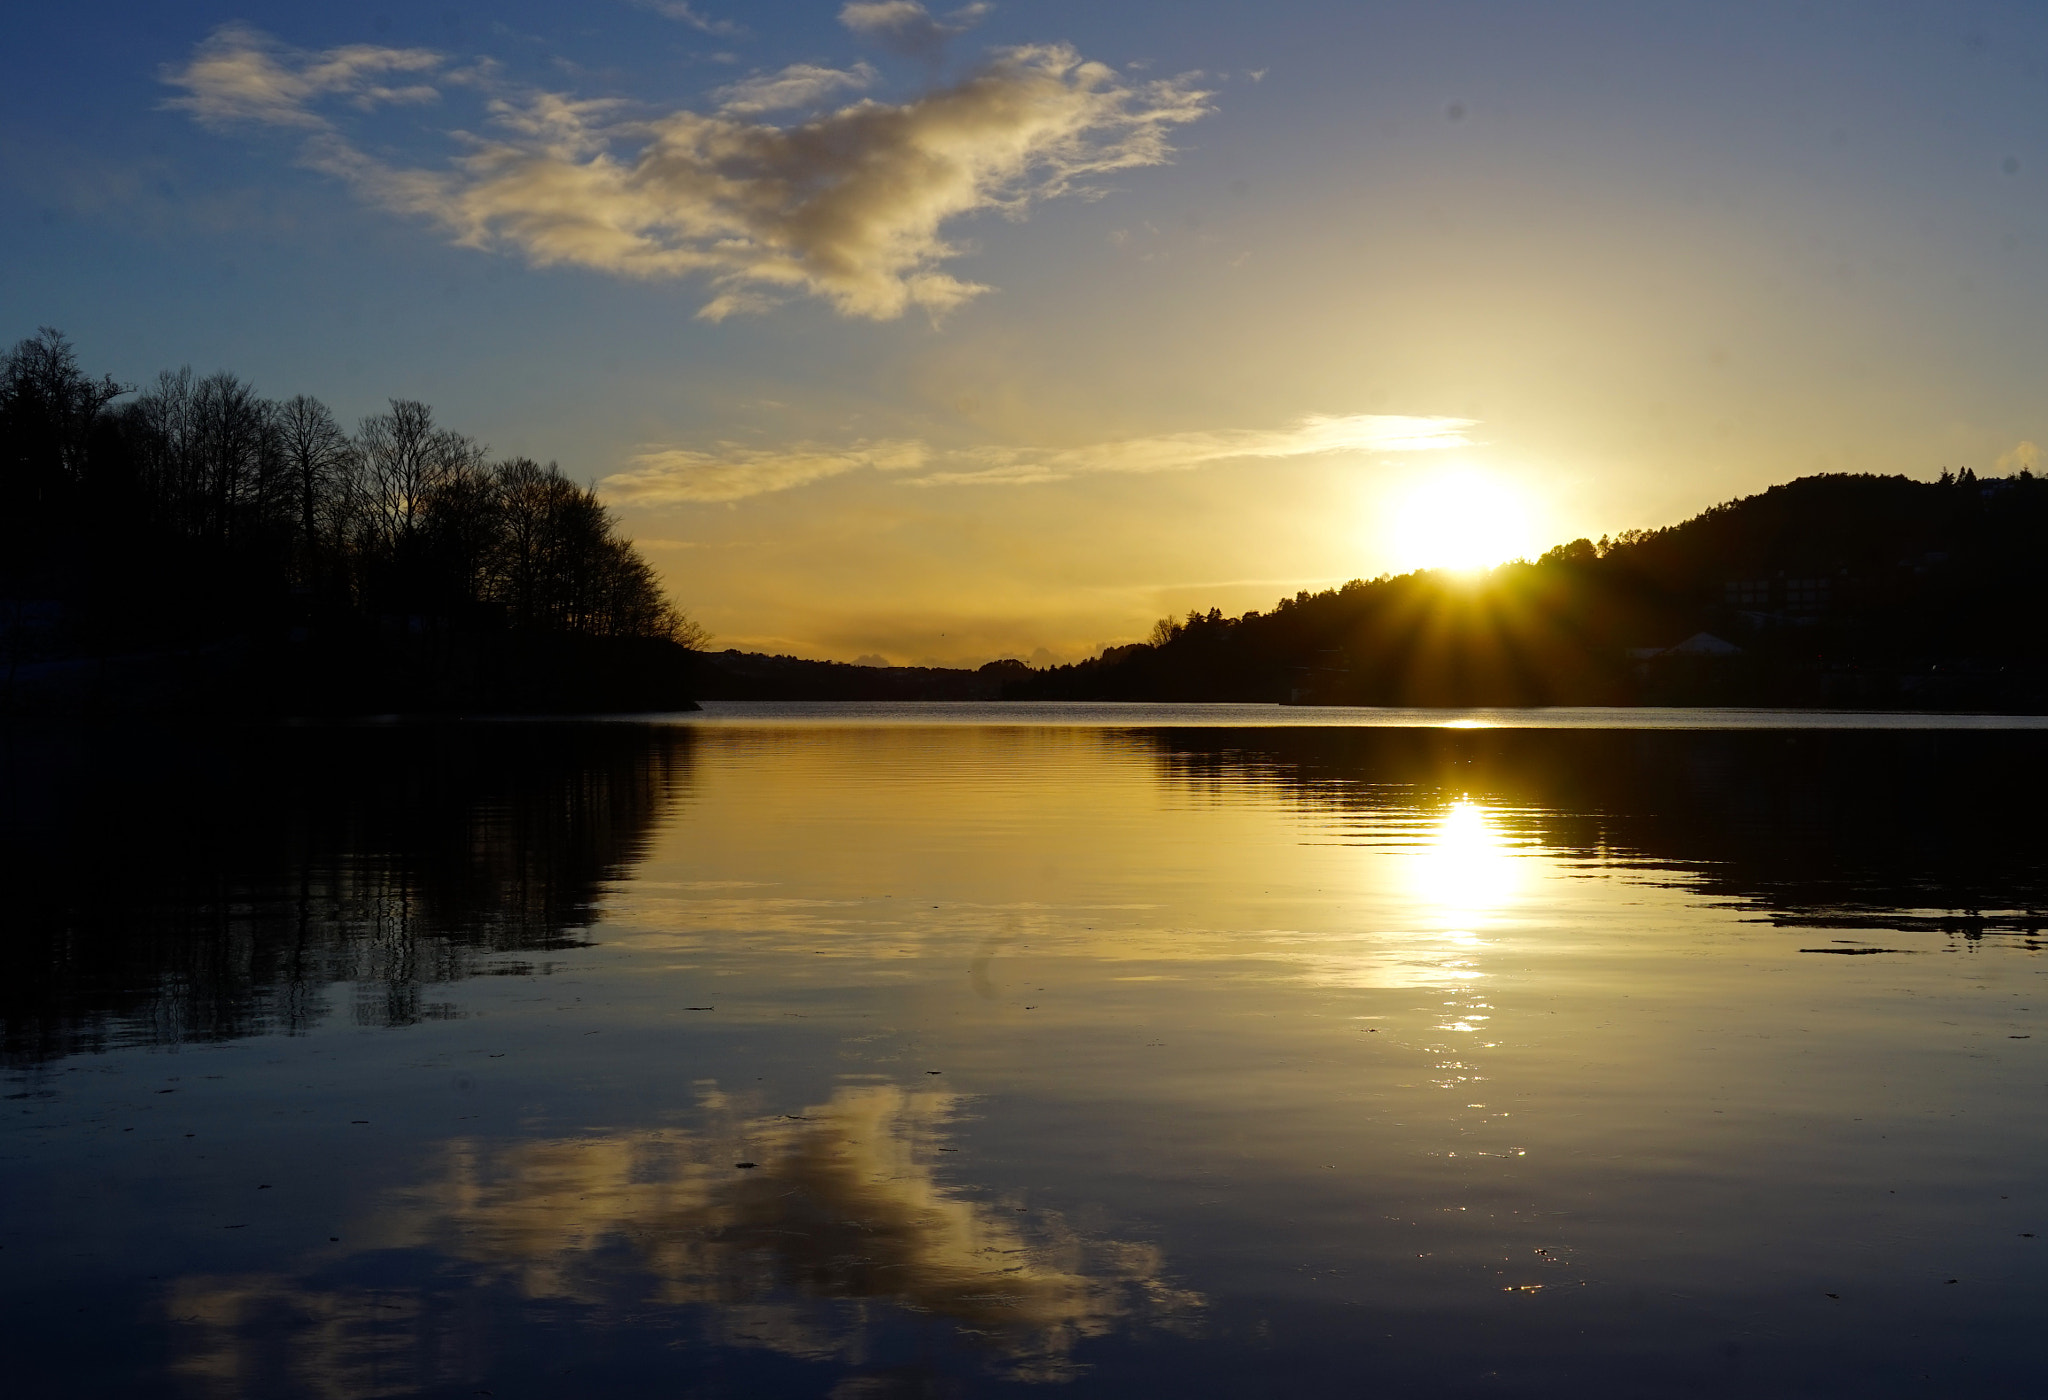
(941, 335)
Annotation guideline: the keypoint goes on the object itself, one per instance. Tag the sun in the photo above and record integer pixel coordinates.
(1459, 518)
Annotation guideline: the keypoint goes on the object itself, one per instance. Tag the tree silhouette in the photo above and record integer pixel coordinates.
(201, 511)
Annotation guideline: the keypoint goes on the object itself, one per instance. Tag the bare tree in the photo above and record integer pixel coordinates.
(564, 567)
(533, 501)
(165, 445)
(47, 409)
(464, 525)
(241, 473)
(317, 456)
(209, 453)
(404, 458)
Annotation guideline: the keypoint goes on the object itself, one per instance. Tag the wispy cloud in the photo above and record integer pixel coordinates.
(1172, 452)
(848, 206)
(2021, 457)
(732, 472)
(799, 85)
(239, 76)
(687, 13)
(907, 27)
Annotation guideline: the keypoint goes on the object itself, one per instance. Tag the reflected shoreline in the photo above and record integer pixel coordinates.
(1921, 830)
(177, 886)
(1139, 714)
(170, 887)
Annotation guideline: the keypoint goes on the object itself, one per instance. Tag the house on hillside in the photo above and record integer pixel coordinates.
(1701, 670)
(1778, 601)
(1703, 644)
(1699, 644)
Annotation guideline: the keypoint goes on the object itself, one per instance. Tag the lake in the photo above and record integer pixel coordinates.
(868, 1051)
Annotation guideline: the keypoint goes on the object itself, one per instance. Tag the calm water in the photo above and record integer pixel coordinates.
(858, 1058)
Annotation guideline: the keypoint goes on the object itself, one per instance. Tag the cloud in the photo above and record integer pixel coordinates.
(734, 473)
(1172, 452)
(799, 85)
(674, 476)
(908, 28)
(685, 12)
(239, 76)
(847, 206)
(2021, 457)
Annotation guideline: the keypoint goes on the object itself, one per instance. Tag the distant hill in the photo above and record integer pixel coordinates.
(738, 675)
(1837, 590)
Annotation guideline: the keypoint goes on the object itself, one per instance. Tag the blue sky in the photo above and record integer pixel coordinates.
(1085, 313)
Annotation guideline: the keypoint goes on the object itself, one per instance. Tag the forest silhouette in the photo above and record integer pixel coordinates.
(196, 546)
(1837, 590)
(283, 561)
(312, 873)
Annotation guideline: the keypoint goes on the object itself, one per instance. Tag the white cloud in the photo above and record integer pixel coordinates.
(847, 206)
(239, 76)
(732, 472)
(799, 85)
(907, 27)
(685, 12)
(2021, 457)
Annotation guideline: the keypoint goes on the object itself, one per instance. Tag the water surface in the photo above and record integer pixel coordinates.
(1110, 714)
(853, 1057)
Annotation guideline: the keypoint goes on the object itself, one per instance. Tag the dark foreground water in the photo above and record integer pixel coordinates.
(752, 1058)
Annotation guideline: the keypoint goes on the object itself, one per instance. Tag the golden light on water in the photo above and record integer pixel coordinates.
(1464, 875)
(1462, 519)
(1467, 870)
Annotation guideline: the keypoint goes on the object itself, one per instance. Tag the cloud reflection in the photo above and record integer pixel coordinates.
(843, 1212)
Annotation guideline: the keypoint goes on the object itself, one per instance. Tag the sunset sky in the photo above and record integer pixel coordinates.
(1002, 330)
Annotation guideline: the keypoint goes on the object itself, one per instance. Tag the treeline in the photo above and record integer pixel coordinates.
(197, 511)
(1832, 590)
(738, 675)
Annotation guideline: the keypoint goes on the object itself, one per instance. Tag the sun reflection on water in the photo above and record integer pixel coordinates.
(1466, 874)
(1467, 871)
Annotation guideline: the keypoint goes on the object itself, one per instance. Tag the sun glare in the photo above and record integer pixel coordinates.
(1461, 519)
(1468, 869)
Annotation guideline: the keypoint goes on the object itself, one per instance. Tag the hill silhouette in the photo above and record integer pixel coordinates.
(199, 547)
(1836, 590)
(738, 675)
